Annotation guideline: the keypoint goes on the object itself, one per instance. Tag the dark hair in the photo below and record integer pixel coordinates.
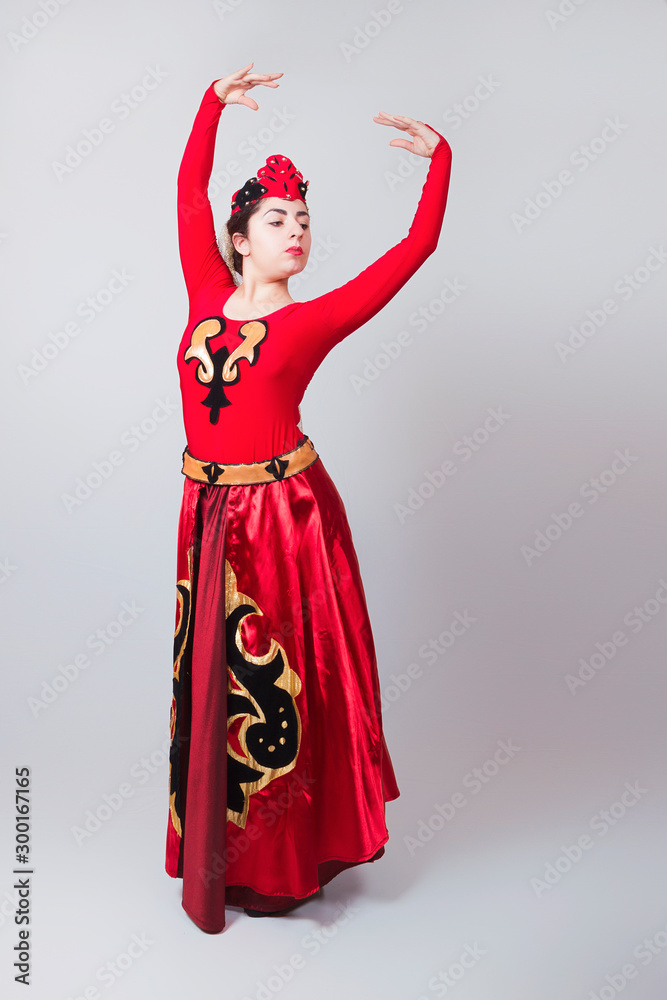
(238, 223)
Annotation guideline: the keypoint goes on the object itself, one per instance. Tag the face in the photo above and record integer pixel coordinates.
(278, 225)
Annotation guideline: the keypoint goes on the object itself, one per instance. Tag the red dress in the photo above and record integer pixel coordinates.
(279, 771)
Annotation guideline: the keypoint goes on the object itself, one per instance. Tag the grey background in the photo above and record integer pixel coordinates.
(471, 884)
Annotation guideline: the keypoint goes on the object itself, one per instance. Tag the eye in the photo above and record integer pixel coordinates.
(279, 222)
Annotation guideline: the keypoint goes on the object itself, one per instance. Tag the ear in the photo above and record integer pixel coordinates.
(241, 244)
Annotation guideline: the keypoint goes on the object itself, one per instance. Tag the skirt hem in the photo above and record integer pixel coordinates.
(346, 862)
(256, 898)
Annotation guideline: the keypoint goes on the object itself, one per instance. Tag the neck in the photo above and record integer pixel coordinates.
(259, 290)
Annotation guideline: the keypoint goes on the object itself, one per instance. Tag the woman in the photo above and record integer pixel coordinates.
(279, 771)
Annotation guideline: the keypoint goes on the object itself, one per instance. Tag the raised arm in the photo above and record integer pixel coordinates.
(201, 259)
(203, 264)
(341, 311)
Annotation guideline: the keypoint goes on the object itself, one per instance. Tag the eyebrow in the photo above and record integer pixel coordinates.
(283, 212)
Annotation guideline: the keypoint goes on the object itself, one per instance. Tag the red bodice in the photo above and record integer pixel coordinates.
(242, 381)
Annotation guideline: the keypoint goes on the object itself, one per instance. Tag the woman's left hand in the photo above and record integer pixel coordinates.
(424, 138)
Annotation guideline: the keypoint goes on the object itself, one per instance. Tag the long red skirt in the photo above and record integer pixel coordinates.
(279, 771)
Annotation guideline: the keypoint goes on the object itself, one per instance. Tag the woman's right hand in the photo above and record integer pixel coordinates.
(231, 89)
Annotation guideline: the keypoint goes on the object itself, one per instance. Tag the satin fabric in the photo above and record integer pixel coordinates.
(279, 555)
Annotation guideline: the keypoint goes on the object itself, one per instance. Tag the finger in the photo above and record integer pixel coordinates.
(412, 122)
(391, 119)
(262, 83)
(404, 118)
(392, 123)
(254, 82)
(259, 77)
(238, 72)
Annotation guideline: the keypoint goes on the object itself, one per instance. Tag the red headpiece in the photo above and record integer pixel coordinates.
(278, 179)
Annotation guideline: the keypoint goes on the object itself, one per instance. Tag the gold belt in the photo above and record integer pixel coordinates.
(242, 474)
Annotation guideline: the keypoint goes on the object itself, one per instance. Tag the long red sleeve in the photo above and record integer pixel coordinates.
(254, 415)
(202, 262)
(345, 309)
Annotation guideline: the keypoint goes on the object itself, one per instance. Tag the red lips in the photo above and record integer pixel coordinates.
(297, 251)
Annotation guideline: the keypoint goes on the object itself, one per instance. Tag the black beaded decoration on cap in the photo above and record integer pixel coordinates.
(279, 179)
(251, 191)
